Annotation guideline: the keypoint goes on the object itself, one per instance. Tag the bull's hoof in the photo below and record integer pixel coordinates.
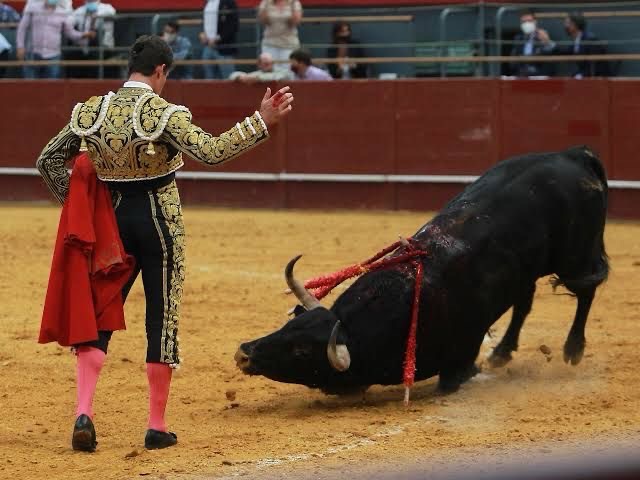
(573, 351)
(449, 383)
(470, 372)
(499, 359)
(447, 386)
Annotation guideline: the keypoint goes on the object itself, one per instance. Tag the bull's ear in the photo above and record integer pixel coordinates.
(295, 311)
(298, 310)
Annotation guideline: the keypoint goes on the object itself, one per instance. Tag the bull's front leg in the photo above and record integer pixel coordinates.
(501, 355)
(458, 364)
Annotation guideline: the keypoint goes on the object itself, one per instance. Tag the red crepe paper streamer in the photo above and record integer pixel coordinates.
(324, 284)
(410, 352)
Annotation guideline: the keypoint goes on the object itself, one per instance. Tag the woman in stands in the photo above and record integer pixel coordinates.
(280, 19)
(345, 50)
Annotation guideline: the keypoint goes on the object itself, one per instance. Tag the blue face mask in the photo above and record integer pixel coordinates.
(92, 7)
(52, 3)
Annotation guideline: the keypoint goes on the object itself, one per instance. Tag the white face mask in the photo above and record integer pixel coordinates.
(528, 27)
(169, 37)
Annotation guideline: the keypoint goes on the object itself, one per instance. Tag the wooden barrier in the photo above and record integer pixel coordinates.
(407, 144)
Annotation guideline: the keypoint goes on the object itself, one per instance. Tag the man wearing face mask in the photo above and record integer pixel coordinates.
(39, 36)
(8, 14)
(181, 48)
(531, 42)
(93, 16)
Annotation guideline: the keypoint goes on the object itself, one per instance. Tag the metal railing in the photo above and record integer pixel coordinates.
(481, 49)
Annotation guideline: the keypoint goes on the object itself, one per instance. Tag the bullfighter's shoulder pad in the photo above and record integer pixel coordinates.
(87, 117)
(151, 114)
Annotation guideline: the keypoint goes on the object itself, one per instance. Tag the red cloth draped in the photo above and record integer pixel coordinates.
(89, 266)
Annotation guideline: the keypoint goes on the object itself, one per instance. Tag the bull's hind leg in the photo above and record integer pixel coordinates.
(501, 355)
(574, 346)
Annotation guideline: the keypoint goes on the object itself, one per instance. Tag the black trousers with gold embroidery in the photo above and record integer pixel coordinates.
(150, 223)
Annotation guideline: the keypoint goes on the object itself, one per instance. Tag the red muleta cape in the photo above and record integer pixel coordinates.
(89, 266)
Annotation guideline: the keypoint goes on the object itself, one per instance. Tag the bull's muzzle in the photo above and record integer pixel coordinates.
(242, 360)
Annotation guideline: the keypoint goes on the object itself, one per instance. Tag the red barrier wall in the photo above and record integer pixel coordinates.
(406, 127)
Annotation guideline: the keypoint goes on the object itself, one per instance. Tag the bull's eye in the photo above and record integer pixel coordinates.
(302, 351)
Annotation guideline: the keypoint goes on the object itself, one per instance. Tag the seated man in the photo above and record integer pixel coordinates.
(584, 43)
(181, 48)
(531, 42)
(265, 72)
(301, 65)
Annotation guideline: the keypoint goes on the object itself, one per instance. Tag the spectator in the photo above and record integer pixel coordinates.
(345, 50)
(265, 72)
(220, 29)
(8, 14)
(5, 50)
(93, 16)
(584, 43)
(280, 19)
(63, 4)
(45, 22)
(530, 43)
(181, 48)
(301, 65)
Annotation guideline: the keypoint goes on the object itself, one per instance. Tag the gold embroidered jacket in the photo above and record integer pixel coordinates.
(136, 135)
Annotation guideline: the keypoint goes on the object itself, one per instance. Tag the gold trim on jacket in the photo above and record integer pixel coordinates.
(137, 135)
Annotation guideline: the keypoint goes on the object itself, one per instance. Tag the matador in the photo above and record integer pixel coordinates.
(135, 140)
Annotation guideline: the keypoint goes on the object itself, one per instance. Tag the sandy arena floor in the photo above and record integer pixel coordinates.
(234, 293)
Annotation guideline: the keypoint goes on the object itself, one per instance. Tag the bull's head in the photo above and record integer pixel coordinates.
(310, 349)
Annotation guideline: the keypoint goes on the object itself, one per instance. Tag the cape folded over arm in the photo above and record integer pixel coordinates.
(89, 266)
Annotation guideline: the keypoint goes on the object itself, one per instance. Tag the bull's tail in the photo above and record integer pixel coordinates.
(590, 281)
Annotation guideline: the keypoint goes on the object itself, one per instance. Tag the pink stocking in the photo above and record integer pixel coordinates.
(159, 376)
(90, 362)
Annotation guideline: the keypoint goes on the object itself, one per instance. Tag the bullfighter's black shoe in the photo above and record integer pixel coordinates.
(84, 435)
(155, 439)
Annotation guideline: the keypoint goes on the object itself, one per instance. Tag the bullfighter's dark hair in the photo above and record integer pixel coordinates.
(578, 20)
(147, 53)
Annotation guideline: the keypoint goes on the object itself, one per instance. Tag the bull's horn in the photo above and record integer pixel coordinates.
(309, 301)
(339, 357)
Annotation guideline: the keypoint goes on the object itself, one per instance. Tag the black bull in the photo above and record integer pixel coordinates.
(525, 218)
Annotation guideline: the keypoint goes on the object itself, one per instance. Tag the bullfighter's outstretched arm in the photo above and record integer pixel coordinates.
(210, 149)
